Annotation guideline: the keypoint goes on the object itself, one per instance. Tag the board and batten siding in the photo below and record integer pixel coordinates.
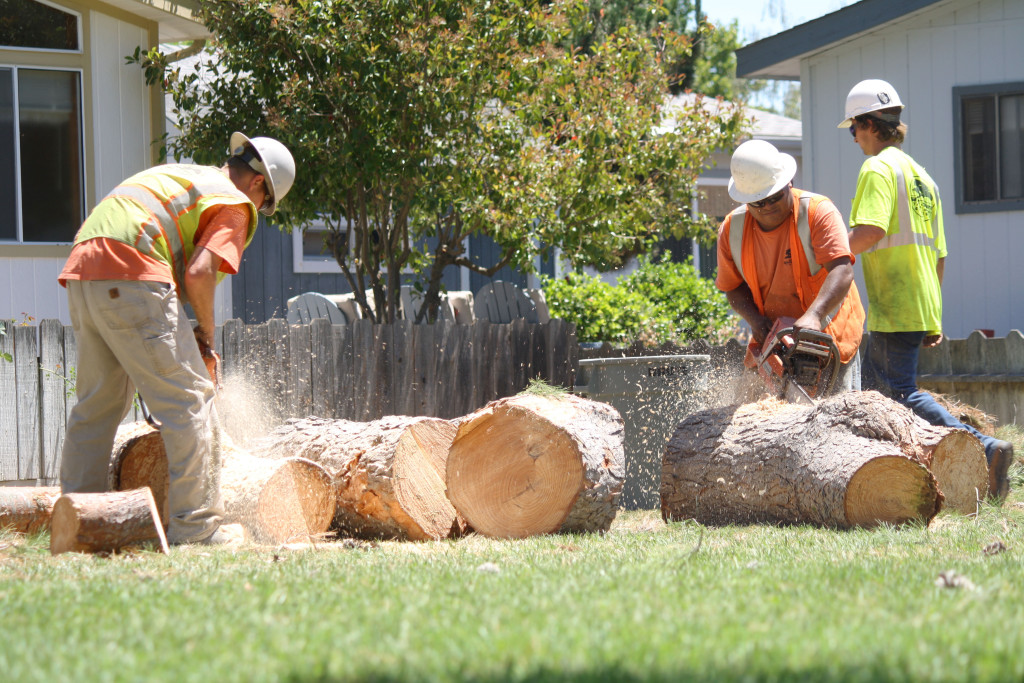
(117, 131)
(925, 56)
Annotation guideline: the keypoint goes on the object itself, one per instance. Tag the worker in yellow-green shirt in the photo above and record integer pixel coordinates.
(896, 224)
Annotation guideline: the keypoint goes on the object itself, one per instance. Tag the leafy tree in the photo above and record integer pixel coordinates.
(416, 124)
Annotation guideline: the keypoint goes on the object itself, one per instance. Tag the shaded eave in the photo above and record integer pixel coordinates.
(178, 19)
(779, 56)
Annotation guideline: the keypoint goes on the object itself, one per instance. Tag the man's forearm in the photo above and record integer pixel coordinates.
(200, 287)
(863, 237)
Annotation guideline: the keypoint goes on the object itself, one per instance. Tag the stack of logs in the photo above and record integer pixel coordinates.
(534, 464)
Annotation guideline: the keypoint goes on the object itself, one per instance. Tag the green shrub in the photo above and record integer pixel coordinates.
(658, 303)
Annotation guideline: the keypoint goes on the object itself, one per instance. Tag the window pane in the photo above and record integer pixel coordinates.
(979, 129)
(1011, 146)
(24, 23)
(51, 159)
(8, 206)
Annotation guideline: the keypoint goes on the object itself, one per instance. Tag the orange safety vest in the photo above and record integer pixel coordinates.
(845, 324)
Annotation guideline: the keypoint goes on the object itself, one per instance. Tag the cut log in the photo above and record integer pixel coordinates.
(852, 460)
(957, 460)
(277, 501)
(389, 473)
(533, 464)
(27, 509)
(106, 522)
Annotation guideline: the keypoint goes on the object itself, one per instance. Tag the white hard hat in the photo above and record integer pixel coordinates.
(273, 161)
(758, 171)
(868, 96)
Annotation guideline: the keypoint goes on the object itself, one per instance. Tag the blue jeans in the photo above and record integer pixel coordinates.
(890, 367)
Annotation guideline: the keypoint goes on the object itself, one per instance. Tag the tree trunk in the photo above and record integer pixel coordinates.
(853, 460)
(27, 509)
(957, 460)
(105, 522)
(277, 501)
(534, 464)
(389, 473)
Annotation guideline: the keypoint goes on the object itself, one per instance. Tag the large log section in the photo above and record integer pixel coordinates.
(277, 501)
(533, 464)
(389, 473)
(105, 522)
(857, 459)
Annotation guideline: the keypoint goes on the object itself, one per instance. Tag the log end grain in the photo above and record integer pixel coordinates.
(961, 470)
(512, 473)
(295, 504)
(892, 490)
(141, 460)
(420, 468)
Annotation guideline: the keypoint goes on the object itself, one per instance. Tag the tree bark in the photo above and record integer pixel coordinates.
(105, 522)
(534, 464)
(27, 509)
(389, 473)
(857, 459)
(277, 501)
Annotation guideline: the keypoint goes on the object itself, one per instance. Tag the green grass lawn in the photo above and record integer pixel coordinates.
(648, 601)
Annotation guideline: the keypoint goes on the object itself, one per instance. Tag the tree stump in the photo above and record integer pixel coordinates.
(389, 473)
(277, 501)
(534, 464)
(105, 522)
(852, 460)
(27, 509)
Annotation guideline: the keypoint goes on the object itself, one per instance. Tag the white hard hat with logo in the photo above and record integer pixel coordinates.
(759, 170)
(868, 96)
(272, 160)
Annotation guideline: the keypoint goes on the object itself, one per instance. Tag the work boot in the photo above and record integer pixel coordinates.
(998, 468)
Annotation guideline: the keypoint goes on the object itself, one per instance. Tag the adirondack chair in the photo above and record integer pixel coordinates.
(310, 306)
(503, 302)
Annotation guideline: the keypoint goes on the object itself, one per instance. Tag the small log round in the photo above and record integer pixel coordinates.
(106, 522)
(389, 473)
(27, 509)
(533, 464)
(277, 501)
(957, 460)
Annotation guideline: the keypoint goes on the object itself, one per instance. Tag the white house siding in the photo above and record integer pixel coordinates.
(925, 57)
(117, 145)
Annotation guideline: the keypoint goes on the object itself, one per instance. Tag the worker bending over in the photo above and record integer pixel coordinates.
(162, 238)
(785, 252)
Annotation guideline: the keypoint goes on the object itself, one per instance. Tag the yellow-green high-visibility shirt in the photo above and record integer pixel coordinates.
(896, 194)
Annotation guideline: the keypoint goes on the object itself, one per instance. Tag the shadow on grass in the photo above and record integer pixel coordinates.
(867, 672)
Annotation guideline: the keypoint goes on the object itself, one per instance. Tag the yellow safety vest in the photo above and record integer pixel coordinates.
(157, 211)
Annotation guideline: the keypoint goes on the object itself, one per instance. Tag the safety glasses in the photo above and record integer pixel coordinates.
(760, 204)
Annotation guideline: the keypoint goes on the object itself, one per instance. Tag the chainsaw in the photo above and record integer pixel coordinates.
(798, 365)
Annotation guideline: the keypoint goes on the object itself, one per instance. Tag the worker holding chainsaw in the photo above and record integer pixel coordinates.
(162, 238)
(784, 259)
(897, 225)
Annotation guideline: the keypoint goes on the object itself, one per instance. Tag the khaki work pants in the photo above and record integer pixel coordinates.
(135, 335)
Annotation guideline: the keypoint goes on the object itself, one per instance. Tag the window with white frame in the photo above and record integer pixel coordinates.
(312, 250)
(42, 189)
(989, 122)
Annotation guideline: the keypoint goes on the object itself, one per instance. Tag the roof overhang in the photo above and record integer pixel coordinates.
(178, 19)
(779, 56)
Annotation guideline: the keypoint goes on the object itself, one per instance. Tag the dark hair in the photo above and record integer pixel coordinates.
(887, 123)
(239, 165)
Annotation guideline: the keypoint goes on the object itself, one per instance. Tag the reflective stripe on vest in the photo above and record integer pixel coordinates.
(907, 235)
(165, 217)
(803, 230)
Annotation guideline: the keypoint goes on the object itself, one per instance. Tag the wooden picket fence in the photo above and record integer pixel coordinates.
(356, 372)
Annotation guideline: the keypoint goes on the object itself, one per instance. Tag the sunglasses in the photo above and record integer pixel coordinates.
(853, 129)
(761, 203)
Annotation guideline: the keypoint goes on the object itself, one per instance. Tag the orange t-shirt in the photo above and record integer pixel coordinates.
(773, 261)
(222, 230)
